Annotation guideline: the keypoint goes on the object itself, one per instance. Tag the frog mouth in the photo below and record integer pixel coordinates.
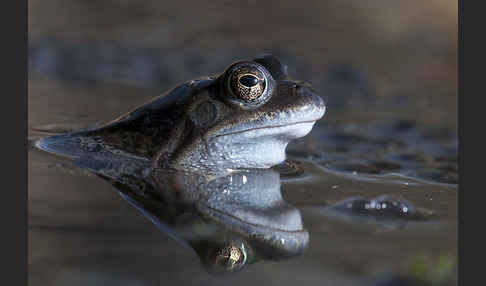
(258, 147)
(290, 131)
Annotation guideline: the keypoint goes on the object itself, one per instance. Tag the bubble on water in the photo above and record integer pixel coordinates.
(384, 210)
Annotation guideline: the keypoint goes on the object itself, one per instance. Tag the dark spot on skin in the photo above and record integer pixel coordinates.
(204, 114)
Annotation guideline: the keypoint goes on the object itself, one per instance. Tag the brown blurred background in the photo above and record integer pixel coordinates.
(403, 49)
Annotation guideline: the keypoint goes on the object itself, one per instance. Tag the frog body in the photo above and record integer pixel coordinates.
(243, 118)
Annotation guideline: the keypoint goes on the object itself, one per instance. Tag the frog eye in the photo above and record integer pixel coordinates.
(248, 83)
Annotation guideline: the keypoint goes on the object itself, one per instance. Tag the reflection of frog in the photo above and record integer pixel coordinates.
(243, 118)
(229, 221)
(233, 220)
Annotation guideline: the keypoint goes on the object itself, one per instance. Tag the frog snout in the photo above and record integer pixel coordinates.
(305, 90)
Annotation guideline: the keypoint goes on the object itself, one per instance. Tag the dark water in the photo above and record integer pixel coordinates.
(82, 231)
(376, 181)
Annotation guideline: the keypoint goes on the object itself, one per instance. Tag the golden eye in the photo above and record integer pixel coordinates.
(228, 258)
(248, 83)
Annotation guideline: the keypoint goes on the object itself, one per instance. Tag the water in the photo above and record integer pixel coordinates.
(374, 183)
(82, 231)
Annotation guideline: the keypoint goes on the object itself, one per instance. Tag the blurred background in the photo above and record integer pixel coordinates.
(91, 61)
(346, 49)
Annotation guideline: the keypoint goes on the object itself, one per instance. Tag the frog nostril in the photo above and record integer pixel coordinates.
(301, 85)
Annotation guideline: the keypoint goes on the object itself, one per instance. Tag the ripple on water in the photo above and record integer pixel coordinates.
(379, 149)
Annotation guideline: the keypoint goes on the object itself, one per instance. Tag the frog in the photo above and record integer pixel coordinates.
(229, 221)
(242, 118)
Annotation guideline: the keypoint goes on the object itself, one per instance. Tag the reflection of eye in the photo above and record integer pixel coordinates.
(248, 83)
(229, 258)
(224, 256)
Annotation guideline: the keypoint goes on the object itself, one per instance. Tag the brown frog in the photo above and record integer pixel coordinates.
(242, 118)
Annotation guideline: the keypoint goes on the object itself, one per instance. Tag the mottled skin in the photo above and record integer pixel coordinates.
(201, 126)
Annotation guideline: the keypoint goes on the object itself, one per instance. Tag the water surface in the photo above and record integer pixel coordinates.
(82, 231)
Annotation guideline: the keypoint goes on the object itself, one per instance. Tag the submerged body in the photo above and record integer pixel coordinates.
(243, 118)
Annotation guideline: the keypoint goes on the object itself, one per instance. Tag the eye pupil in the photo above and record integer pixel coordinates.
(249, 80)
